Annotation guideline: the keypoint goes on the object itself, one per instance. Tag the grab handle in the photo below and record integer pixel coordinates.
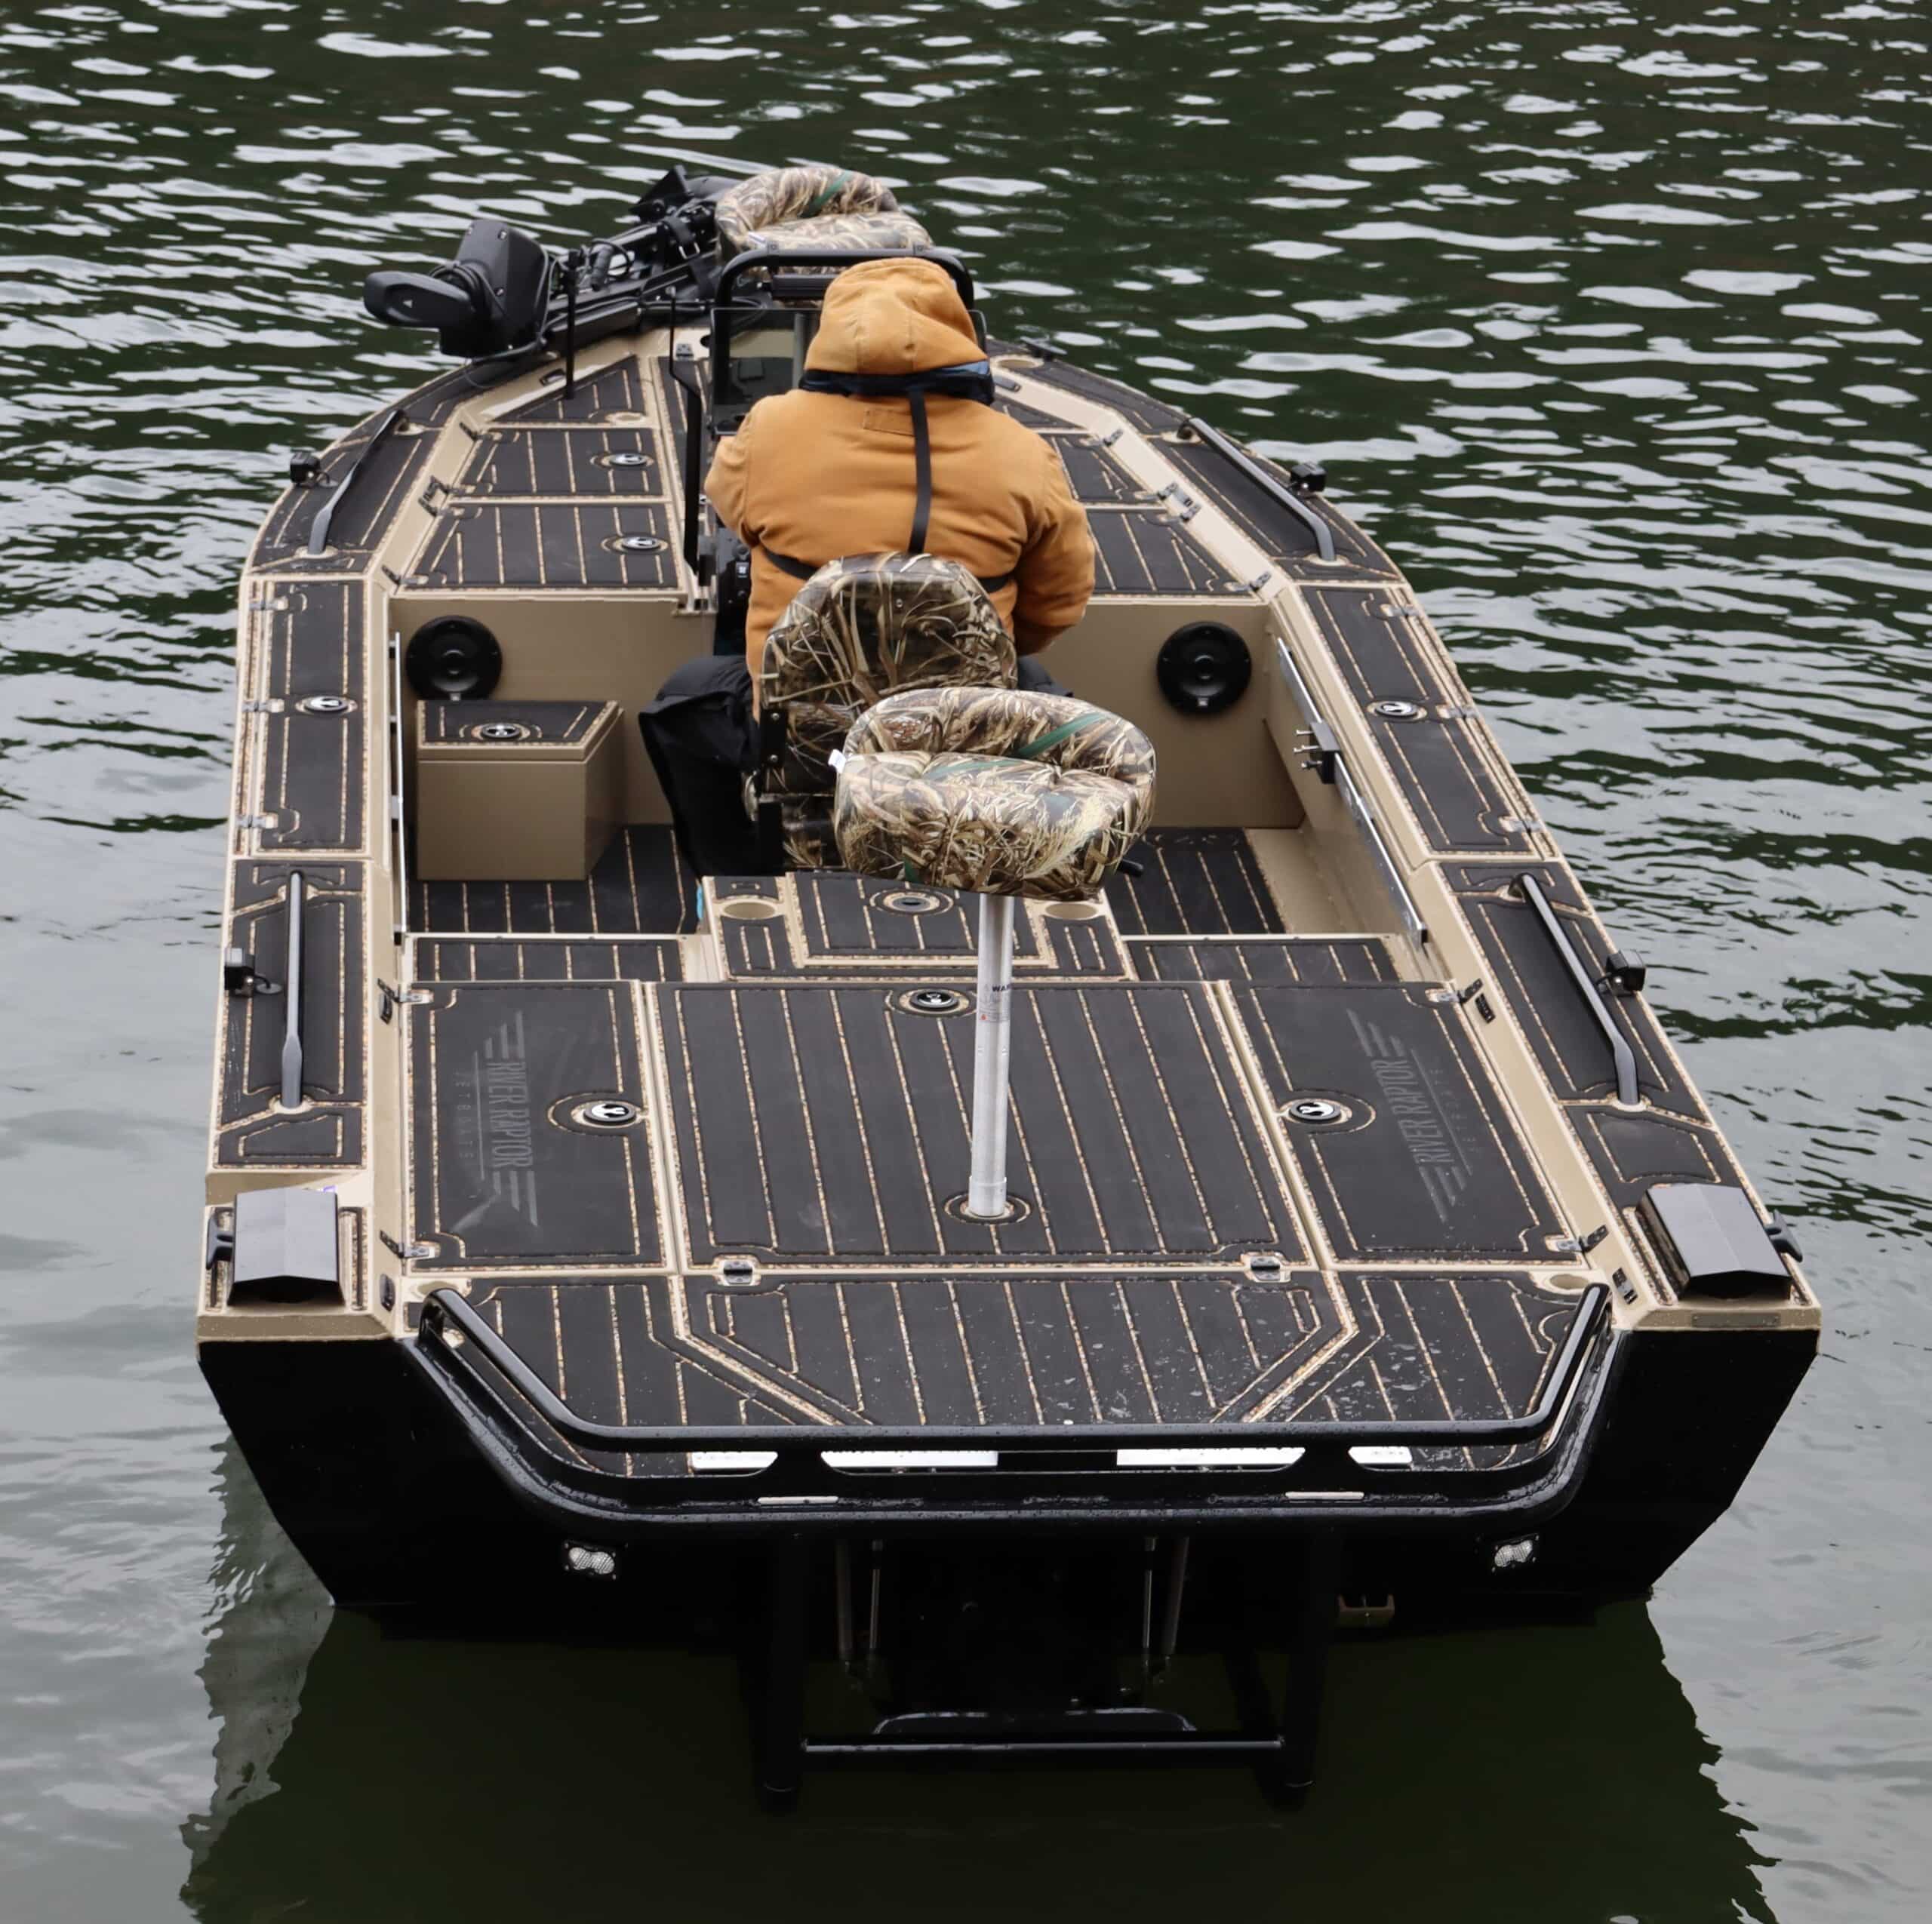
(292, 1033)
(318, 529)
(1620, 1051)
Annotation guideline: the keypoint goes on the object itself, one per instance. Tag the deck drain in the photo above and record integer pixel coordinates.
(1395, 711)
(502, 731)
(326, 704)
(911, 901)
(1316, 1111)
(933, 1002)
(608, 1113)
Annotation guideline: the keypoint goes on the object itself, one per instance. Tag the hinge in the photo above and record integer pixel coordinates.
(391, 996)
(408, 1252)
(1260, 582)
(256, 821)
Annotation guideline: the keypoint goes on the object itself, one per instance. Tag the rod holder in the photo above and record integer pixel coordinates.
(992, 1061)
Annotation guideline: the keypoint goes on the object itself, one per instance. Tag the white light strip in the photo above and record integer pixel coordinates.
(740, 1461)
(912, 1459)
(1243, 1458)
(1384, 1456)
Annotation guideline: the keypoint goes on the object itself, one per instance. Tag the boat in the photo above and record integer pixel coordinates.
(599, 1250)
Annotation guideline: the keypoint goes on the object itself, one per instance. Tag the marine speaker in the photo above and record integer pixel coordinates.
(453, 658)
(1203, 667)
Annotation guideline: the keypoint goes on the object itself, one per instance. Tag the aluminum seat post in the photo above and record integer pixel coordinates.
(992, 1057)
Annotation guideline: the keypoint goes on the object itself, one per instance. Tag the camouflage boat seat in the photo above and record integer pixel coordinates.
(861, 629)
(813, 207)
(995, 791)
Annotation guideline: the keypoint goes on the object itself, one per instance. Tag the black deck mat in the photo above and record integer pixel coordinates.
(1428, 1165)
(617, 389)
(1194, 882)
(500, 1172)
(1630, 1151)
(1289, 959)
(1278, 532)
(830, 1124)
(252, 1130)
(1143, 410)
(1094, 474)
(1573, 1051)
(310, 642)
(508, 462)
(558, 544)
(639, 887)
(504, 959)
(1145, 551)
(855, 928)
(960, 1350)
(1438, 1348)
(1437, 762)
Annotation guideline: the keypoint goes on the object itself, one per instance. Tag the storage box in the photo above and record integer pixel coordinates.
(515, 791)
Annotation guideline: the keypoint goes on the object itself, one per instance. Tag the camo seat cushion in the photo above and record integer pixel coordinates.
(861, 629)
(993, 790)
(813, 207)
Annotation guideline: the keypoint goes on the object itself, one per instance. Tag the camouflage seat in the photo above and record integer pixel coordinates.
(858, 630)
(813, 207)
(993, 790)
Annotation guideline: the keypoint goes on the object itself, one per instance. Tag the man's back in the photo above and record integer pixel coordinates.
(809, 477)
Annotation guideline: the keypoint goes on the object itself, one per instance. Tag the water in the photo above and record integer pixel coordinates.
(1607, 317)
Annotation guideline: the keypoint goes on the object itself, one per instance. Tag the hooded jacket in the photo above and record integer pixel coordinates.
(816, 476)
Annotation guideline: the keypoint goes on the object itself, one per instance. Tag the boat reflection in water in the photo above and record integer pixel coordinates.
(1466, 1777)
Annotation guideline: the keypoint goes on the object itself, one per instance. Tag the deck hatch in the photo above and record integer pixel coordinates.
(310, 640)
(557, 544)
(1145, 551)
(253, 1129)
(816, 1125)
(510, 462)
(1437, 760)
(1427, 1164)
(500, 1173)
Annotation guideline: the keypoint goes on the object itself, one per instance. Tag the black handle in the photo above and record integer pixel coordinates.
(1324, 537)
(742, 263)
(447, 1306)
(291, 1032)
(1620, 1051)
(318, 529)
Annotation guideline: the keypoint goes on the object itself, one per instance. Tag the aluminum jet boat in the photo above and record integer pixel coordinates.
(596, 1248)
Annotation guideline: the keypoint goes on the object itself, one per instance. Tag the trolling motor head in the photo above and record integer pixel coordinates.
(491, 300)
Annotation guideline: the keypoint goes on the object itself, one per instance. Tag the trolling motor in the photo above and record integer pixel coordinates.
(491, 300)
(496, 297)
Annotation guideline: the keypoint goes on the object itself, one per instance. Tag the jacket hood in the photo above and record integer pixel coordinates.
(892, 317)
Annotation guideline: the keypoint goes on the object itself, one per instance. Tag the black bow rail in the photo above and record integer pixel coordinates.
(740, 264)
(1325, 1445)
(1620, 1051)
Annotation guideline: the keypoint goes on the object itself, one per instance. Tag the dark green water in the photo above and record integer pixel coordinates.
(1607, 318)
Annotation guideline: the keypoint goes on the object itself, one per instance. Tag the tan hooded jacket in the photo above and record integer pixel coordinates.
(816, 476)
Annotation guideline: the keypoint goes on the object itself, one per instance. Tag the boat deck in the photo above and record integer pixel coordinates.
(776, 1238)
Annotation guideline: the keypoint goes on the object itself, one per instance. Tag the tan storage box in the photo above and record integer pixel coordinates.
(515, 791)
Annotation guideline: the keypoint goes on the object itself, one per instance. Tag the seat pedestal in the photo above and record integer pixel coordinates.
(992, 1060)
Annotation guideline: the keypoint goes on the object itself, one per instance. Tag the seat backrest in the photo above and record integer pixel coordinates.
(813, 207)
(860, 629)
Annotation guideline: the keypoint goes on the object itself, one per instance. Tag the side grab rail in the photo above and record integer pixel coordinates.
(1277, 491)
(1620, 1051)
(444, 1310)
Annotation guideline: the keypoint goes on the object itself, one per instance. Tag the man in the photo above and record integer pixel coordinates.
(883, 449)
